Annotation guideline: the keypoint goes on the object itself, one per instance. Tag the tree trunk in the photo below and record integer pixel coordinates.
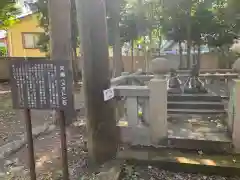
(75, 65)
(189, 40)
(60, 41)
(199, 55)
(132, 54)
(160, 42)
(180, 54)
(117, 48)
(148, 53)
(101, 123)
(194, 56)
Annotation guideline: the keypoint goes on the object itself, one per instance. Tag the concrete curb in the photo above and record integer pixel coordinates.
(14, 146)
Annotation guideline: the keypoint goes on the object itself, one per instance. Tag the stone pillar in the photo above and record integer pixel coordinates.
(234, 109)
(158, 100)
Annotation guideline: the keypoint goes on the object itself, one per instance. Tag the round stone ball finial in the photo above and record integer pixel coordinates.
(236, 65)
(160, 65)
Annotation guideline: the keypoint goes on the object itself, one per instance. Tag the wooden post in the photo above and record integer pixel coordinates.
(101, 123)
(31, 157)
(61, 39)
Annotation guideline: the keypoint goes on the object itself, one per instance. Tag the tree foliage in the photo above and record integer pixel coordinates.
(212, 22)
(43, 17)
(44, 39)
(8, 13)
(3, 51)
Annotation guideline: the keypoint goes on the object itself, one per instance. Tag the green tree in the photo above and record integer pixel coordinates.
(123, 25)
(202, 23)
(225, 29)
(8, 13)
(113, 10)
(44, 40)
(3, 51)
(174, 25)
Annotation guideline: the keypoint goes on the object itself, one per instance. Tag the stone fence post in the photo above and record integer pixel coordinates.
(234, 109)
(158, 100)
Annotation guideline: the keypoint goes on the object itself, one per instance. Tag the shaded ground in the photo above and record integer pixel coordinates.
(47, 155)
(152, 173)
(48, 161)
(12, 122)
(47, 149)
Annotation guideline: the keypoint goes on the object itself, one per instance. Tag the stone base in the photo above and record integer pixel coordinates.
(194, 86)
(174, 91)
(195, 91)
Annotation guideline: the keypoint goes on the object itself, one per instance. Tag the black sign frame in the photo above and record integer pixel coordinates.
(41, 84)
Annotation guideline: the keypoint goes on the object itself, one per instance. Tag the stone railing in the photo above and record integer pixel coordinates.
(132, 97)
(220, 83)
(132, 113)
(219, 80)
(141, 109)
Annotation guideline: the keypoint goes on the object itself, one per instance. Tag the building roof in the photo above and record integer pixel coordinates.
(24, 14)
(26, 9)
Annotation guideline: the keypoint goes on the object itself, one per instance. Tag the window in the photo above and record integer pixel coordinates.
(30, 40)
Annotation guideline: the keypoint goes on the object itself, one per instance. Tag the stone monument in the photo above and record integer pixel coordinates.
(174, 83)
(194, 85)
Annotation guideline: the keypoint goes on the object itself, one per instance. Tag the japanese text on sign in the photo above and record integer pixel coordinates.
(40, 84)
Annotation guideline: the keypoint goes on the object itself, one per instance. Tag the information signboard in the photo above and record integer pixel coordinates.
(41, 84)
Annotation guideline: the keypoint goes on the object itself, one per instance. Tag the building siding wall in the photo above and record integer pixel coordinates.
(15, 39)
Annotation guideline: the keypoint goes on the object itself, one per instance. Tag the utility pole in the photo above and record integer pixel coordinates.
(101, 123)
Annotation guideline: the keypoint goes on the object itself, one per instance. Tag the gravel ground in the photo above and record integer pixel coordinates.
(152, 173)
(12, 122)
(48, 158)
(48, 162)
(48, 154)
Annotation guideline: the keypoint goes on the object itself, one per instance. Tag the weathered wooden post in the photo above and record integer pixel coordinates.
(234, 109)
(101, 123)
(158, 100)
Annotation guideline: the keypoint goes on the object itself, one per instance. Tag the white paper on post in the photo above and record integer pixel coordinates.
(108, 94)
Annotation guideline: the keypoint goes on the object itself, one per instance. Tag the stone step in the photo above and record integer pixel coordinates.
(191, 132)
(196, 111)
(194, 97)
(183, 161)
(195, 105)
(201, 145)
(199, 133)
